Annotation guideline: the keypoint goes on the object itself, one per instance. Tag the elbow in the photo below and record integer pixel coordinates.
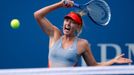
(36, 15)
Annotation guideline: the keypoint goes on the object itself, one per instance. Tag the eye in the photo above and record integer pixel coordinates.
(73, 22)
(66, 19)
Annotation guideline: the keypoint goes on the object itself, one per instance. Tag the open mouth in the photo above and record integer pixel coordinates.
(68, 28)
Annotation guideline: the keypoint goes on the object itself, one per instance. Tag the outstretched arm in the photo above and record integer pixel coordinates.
(118, 60)
(90, 61)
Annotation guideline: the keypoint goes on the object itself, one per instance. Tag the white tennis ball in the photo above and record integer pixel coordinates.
(15, 24)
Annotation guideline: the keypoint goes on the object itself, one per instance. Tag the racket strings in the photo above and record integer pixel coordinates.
(106, 9)
(103, 13)
(99, 11)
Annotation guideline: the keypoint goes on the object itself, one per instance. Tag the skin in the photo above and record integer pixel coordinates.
(69, 28)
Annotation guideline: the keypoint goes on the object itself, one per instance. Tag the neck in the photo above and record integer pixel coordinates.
(68, 38)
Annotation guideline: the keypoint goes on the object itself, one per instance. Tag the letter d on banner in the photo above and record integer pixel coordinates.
(104, 49)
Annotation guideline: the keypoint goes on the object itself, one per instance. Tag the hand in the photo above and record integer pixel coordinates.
(68, 3)
(121, 60)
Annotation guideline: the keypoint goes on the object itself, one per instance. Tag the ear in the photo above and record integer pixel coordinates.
(78, 28)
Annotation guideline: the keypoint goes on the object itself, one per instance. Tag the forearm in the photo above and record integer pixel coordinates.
(108, 63)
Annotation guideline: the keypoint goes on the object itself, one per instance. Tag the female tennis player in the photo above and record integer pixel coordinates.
(66, 49)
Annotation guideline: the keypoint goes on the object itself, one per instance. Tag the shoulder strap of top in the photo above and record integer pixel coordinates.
(75, 43)
(57, 43)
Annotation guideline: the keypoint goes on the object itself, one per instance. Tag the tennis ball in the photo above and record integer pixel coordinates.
(15, 24)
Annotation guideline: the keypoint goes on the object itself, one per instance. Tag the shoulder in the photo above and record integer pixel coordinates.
(83, 42)
(82, 45)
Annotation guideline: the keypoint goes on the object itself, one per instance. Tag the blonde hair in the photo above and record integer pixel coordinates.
(80, 14)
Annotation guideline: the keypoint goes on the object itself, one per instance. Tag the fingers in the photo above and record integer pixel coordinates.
(119, 56)
(121, 59)
(127, 60)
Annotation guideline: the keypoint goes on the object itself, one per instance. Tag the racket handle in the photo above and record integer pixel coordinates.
(76, 5)
(73, 4)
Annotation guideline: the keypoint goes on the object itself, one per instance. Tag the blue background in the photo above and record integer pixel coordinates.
(27, 47)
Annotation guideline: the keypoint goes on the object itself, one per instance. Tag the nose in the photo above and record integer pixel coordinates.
(68, 22)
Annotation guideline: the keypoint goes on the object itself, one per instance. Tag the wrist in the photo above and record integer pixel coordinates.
(61, 3)
(112, 61)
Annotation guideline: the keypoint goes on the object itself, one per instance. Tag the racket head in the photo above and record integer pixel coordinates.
(99, 12)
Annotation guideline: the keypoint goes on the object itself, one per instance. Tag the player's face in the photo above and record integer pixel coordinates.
(69, 27)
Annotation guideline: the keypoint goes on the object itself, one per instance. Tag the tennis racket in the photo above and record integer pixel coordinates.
(97, 10)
